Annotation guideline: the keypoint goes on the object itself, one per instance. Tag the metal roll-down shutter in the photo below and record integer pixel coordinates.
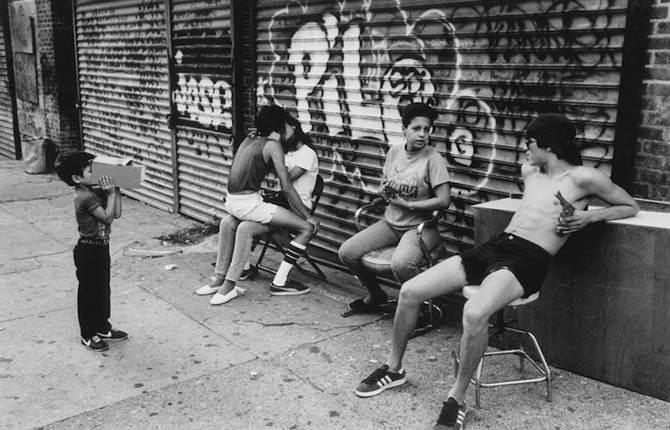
(202, 96)
(7, 143)
(124, 89)
(487, 67)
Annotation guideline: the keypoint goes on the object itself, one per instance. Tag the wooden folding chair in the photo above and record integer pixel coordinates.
(269, 239)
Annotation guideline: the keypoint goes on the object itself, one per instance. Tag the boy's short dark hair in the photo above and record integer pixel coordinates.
(556, 131)
(413, 110)
(72, 163)
(270, 118)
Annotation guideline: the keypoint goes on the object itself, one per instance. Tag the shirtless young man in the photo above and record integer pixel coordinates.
(511, 265)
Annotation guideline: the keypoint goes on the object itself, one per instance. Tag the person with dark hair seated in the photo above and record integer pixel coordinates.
(257, 155)
(414, 183)
(302, 164)
(511, 265)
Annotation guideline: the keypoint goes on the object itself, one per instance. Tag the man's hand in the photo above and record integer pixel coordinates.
(575, 222)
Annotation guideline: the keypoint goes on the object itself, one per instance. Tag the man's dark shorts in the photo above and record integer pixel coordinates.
(526, 260)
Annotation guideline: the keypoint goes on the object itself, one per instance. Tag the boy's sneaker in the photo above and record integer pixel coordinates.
(380, 380)
(452, 416)
(114, 335)
(249, 273)
(292, 288)
(95, 344)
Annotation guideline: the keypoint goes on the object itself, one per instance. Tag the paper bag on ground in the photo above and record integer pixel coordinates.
(123, 172)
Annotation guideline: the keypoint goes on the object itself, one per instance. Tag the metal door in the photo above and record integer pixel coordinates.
(124, 90)
(7, 102)
(488, 67)
(201, 62)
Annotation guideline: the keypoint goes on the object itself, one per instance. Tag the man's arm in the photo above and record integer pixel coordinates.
(274, 152)
(595, 183)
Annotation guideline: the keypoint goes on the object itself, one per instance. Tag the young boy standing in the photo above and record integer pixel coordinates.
(95, 206)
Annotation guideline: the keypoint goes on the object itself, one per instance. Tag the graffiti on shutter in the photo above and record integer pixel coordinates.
(202, 97)
(346, 68)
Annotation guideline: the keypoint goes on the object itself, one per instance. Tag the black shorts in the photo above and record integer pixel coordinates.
(527, 261)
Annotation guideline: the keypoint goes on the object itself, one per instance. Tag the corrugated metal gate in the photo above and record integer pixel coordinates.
(124, 90)
(488, 68)
(202, 94)
(7, 144)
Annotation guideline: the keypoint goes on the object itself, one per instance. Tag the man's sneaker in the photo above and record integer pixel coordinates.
(249, 273)
(452, 416)
(114, 335)
(95, 344)
(292, 288)
(380, 380)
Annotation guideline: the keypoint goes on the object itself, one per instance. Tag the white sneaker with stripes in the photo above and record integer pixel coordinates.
(380, 380)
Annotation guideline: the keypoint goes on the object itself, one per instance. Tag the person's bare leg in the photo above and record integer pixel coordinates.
(442, 278)
(284, 218)
(246, 231)
(226, 246)
(497, 290)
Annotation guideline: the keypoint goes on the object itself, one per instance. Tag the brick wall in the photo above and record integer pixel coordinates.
(56, 70)
(651, 176)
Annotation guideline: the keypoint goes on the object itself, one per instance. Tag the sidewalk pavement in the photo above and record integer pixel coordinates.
(257, 362)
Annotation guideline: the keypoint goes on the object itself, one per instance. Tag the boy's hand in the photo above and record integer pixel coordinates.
(107, 185)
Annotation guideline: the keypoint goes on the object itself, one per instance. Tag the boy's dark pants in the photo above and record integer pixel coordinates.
(93, 307)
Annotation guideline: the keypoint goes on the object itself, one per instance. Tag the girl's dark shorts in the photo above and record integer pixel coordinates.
(527, 261)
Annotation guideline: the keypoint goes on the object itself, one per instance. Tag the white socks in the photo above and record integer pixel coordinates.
(293, 251)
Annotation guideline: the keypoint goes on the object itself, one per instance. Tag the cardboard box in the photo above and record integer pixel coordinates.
(123, 172)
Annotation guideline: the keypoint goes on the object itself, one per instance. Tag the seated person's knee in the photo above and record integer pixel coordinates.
(307, 229)
(345, 252)
(226, 222)
(474, 317)
(402, 269)
(408, 294)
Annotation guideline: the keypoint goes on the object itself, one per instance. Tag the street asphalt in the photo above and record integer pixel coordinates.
(257, 362)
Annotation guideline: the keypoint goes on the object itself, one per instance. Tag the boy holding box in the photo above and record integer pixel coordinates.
(96, 206)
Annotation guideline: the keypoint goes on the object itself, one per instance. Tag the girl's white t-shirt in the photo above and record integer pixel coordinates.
(305, 158)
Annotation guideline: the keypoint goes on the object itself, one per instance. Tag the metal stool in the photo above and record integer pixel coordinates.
(500, 327)
(379, 263)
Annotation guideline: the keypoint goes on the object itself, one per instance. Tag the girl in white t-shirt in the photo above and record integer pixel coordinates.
(302, 163)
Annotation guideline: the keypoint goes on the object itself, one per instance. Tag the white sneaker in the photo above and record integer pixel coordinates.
(220, 299)
(206, 290)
